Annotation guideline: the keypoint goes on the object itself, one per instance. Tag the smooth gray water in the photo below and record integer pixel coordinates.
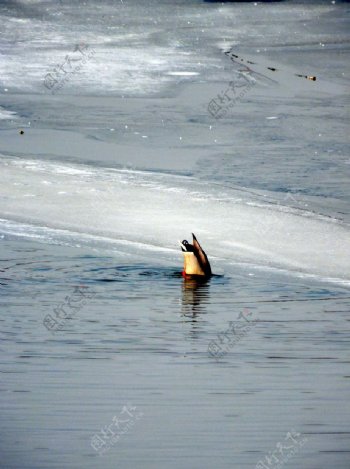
(144, 339)
(116, 166)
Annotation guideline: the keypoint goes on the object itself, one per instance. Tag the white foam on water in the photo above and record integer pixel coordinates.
(155, 210)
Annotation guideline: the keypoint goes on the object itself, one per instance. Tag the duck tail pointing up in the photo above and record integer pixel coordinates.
(201, 256)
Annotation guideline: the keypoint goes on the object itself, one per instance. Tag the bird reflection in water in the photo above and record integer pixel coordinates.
(195, 296)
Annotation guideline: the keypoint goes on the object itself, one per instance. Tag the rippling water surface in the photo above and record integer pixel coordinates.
(142, 338)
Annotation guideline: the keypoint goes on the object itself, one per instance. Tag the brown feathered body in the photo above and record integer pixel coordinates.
(196, 262)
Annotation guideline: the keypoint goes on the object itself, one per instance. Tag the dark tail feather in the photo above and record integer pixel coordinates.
(201, 256)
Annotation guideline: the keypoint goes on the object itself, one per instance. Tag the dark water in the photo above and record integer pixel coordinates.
(142, 339)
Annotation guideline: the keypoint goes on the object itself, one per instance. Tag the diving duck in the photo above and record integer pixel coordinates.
(196, 262)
